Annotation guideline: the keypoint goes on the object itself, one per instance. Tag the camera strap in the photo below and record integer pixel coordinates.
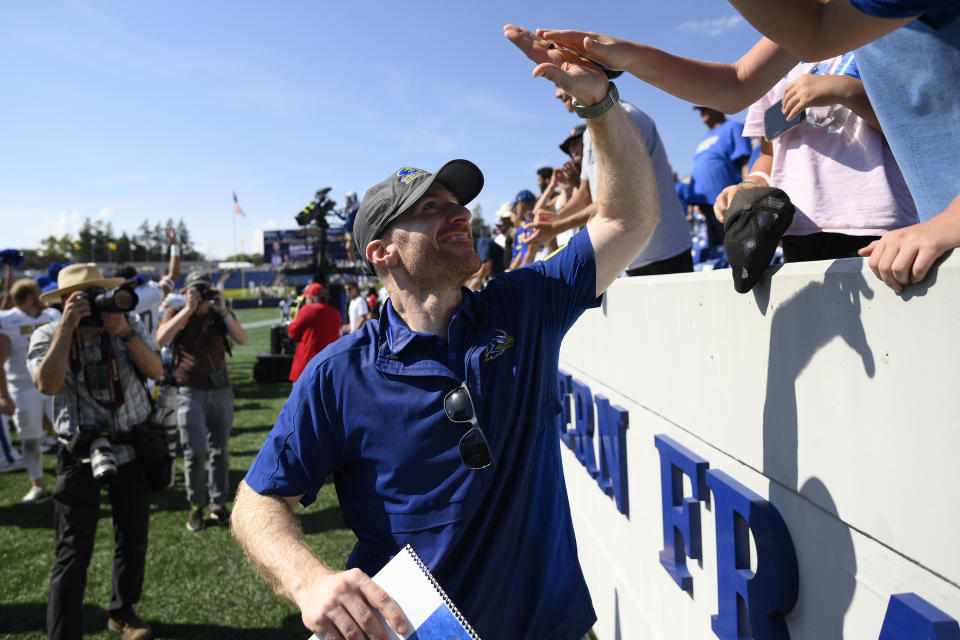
(114, 384)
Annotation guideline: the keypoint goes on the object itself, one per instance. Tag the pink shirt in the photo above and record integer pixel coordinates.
(841, 180)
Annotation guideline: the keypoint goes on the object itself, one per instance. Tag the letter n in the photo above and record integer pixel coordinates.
(612, 424)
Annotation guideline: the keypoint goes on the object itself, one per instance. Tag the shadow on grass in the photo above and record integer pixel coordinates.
(27, 617)
(291, 627)
(22, 617)
(256, 428)
(28, 516)
(260, 391)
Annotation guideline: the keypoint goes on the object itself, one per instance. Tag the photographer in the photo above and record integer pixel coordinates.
(93, 361)
(197, 334)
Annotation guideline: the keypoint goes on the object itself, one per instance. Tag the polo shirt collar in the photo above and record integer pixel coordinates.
(396, 335)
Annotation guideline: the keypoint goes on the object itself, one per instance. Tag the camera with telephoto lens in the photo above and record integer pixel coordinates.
(117, 300)
(93, 441)
(208, 293)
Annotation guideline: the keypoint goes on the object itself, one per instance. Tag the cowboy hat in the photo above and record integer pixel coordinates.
(77, 277)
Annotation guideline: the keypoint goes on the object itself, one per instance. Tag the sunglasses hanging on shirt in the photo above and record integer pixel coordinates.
(474, 448)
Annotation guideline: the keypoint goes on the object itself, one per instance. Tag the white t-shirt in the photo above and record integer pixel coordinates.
(672, 235)
(150, 296)
(841, 179)
(358, 309)
(19, 326)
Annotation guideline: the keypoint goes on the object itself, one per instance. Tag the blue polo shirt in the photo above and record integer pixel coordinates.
(368, 409)
(715, 164)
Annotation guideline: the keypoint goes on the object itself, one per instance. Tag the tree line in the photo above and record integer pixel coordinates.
(97, 242)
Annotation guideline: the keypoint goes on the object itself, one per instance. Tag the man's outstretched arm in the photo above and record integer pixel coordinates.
(628, 207)
(332, 603)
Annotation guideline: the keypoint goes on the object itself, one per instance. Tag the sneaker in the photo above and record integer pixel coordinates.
(36, 493)
(129, 625)
(195, 520)
(220, 516)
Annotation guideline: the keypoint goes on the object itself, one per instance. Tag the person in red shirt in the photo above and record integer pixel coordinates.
(317, 324)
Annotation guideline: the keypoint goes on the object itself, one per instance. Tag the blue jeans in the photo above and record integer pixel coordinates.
(205, 417)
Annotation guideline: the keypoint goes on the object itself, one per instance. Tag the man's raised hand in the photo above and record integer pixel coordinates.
(577, 76)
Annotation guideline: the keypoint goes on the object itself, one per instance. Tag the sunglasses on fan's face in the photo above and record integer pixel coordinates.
(474, 448)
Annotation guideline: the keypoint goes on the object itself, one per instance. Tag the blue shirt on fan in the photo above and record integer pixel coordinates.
(716, 164)
(369, 410)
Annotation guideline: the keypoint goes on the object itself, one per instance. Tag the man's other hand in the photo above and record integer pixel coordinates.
(341, 605)
(579, 77)
(7, 406)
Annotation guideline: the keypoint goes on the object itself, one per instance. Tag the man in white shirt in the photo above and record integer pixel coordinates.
(18, 394)
(357, 310)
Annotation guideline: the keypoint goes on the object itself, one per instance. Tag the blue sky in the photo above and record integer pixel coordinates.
(125, 111)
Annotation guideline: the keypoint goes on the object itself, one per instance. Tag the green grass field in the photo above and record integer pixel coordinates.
(198, 585)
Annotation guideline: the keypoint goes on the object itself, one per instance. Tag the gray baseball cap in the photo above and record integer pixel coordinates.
(385, 202)
(196, 278)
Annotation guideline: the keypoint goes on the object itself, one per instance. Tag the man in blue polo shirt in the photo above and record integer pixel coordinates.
(437, 422)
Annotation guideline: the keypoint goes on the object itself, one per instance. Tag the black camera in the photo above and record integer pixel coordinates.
(93, 441)
(208, 293)
(117, 300)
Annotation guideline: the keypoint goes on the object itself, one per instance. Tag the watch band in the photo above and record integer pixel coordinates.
(594, 110)
(130, 336)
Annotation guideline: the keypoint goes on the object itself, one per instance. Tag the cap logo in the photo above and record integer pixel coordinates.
(409, 174)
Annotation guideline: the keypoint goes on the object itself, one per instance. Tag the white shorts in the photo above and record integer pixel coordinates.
(31, 407)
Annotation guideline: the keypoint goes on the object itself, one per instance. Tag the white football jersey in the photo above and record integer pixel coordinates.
(19, 326)
(151, 295)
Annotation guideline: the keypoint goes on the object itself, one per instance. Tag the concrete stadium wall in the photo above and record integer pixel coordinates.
(822, 391)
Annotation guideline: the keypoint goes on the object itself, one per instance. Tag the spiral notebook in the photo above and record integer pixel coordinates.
(427, 606)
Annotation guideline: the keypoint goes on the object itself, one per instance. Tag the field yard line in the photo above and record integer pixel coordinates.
(259, 323)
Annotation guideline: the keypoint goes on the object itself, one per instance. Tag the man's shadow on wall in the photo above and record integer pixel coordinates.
(800, 327)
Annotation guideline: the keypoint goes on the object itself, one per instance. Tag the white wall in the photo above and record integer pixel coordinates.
(822, 390)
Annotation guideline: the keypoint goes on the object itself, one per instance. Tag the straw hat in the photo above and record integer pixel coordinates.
(77, 277)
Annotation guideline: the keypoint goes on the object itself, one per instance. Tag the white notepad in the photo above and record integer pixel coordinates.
(428, 609)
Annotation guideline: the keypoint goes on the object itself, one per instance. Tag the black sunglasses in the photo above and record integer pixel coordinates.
(474, 448)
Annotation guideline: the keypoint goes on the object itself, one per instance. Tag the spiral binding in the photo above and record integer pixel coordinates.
(443, 594)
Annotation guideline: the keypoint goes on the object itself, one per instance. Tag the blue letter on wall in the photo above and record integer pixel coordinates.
(567, 436)
(612, 425)
(681, 514)
(751, 604)
(583, 431)
(910, 617)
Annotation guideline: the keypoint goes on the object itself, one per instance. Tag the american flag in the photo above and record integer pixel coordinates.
(236, 206)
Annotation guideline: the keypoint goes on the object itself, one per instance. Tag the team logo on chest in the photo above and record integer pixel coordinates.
(498, 344)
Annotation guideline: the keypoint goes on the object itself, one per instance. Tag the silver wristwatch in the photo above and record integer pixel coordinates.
(594, 110)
